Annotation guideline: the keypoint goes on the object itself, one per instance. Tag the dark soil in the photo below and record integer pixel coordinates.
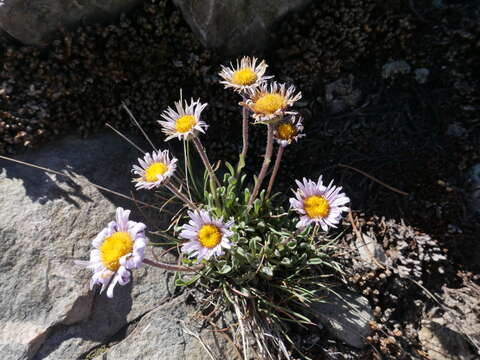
(419, 138)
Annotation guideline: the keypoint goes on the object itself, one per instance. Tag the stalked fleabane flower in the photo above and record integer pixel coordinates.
(269, 102)
(184, 121)
(247, 75)
(288, 130)
(207, 236)
(118, 248)
(155, 169)
(317, 203)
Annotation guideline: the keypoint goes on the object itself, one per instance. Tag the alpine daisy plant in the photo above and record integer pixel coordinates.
(255, 255)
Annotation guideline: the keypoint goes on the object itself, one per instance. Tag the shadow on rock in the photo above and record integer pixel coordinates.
(107, 317)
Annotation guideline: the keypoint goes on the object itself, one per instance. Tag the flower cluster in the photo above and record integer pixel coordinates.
(252, 245)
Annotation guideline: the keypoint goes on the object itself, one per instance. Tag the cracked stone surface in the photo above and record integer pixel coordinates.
(165, 334)
(346, 316)
(46, 222)
(238, 26)
(33, 22)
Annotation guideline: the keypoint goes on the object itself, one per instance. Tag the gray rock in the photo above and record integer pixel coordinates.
(238, 26)
(341, 95)
(442, 342)
(462, 312)
(33, 22)
(46, 222)
(456, 129)
(393, 68)
(371, 253)
(170, 333)
(421, 75)
(346, 315)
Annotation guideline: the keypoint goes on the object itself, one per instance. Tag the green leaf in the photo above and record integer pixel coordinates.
(242, 253)
(225, 269)
(181, 283)
(246, 195)
(230, 168)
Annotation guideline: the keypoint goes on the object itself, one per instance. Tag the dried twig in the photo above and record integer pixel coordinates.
(375, 179)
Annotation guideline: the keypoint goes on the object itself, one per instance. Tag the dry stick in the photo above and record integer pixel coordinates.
(280, 151)
(245, 131)
(172, 267)
(374, 179)
(266, 163)
(204, 157)
(225, 336)
(138, 125)
(125, 138)
(186, 200)
(80, 180)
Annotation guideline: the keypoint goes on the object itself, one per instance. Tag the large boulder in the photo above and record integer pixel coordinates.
(47, 222)
(34, 21)
(236, 26)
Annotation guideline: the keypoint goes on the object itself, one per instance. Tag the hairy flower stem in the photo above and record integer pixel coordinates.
(213, 178)
(181, 196)
(206, 162)
(245, 131)
(278, 159)
(172, 267)
(266, 163)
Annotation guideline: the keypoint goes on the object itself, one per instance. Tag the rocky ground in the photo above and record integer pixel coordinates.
(390, 91)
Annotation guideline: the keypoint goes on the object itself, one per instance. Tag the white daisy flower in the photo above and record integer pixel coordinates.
(207, 235)
(288, 130)
(318, 203)
(154, 170)
(246, 76)
(269, 102)
(118, 248)
(185, 121)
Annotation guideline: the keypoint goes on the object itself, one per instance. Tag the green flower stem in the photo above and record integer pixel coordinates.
(172, 267)
(181, 196)
(278, 159)
(266, 163)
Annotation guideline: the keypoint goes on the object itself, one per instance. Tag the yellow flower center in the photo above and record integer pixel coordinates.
(209, 236)
(114, 247)
(316, 206)
(286, 131)
(244, 77)
(152, 172)
(185, 123)
(269, 103)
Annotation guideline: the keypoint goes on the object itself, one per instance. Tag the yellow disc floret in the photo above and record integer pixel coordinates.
(185, 123)
(209, 236)
(244, 77)
(114, 247)
(316, 206)
(152, 172)
(269, 103)
(286, 131)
